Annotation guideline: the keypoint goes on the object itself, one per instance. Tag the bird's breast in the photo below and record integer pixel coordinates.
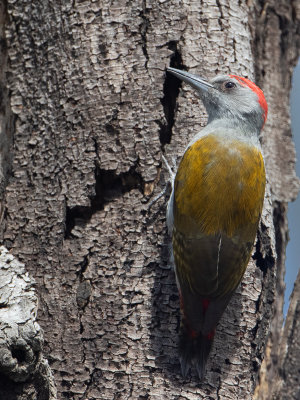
(219, 186)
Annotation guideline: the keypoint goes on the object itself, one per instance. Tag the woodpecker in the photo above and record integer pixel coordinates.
(215, 207)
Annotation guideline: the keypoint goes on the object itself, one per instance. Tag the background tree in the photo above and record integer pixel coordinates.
(86, 113)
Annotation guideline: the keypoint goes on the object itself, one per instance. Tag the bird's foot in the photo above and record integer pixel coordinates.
(169, 185)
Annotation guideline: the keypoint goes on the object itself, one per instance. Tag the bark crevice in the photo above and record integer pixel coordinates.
(221, 17)
(264, 259)
(143, 32)
(108, 186)
(171, 89)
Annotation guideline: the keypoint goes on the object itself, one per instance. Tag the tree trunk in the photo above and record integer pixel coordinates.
(91, 111)
(288, 386)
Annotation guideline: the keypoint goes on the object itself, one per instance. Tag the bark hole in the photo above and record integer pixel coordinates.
(171, 92)
(264, 261)
(19, 354)
(108, 186)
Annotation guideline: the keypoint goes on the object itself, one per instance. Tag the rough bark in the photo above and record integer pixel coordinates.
(21, 339)
(6, 117)
(93, 112)
(288, 386)
(277, 51)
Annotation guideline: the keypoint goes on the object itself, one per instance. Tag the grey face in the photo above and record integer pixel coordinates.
(227, 98)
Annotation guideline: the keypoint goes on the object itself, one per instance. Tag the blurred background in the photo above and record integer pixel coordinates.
(293, 247)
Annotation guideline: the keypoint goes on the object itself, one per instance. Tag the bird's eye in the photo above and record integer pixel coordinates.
(229, 85)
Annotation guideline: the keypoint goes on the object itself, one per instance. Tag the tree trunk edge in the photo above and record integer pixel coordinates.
(288, 16)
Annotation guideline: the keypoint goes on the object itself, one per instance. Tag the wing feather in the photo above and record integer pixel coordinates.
(217, 201)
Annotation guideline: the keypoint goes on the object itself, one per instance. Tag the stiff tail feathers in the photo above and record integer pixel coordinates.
(194, 351)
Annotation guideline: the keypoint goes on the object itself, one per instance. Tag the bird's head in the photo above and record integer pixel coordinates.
(229, 97)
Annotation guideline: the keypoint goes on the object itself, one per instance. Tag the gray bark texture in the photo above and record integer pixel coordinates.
(21, 340)
(288, 386)
(87, 111)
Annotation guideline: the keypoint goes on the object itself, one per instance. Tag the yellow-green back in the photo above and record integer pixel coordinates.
(218, 195)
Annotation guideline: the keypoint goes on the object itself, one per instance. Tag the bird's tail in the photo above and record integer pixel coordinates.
(194, 349)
